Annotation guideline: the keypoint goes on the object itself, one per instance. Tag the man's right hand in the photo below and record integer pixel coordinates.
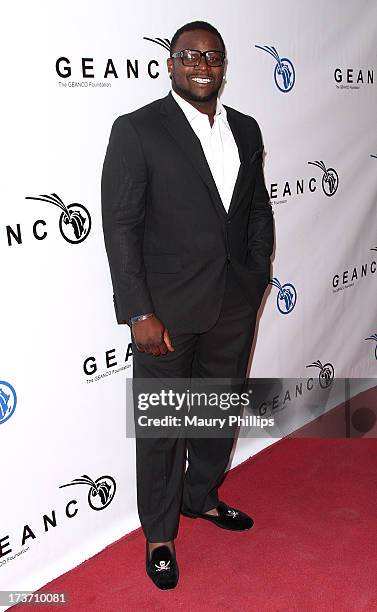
(151, 336)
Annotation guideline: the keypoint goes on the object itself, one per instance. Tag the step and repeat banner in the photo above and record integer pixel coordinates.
(308, 73)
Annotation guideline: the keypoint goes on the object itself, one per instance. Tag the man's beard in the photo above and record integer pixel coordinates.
(188, 95)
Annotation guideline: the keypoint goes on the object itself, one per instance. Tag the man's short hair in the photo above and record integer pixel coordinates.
(196, 25)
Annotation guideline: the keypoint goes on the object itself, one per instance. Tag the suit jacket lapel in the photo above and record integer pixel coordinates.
(177, 125)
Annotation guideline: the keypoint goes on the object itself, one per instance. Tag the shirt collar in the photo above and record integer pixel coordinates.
(192, 113)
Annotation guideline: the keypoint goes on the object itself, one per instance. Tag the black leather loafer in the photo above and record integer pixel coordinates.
(229, 518)
(162, 567)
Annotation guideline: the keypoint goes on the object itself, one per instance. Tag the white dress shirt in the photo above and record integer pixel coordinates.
(218, 144)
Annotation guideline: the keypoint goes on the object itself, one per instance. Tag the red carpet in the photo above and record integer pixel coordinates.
(313, 546)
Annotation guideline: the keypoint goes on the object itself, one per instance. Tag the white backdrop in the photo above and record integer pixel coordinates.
(57, 310)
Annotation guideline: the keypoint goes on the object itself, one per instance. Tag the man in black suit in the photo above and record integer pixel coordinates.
(189, 234)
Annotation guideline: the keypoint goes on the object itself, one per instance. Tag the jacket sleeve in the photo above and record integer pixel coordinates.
(260, 228)
(123, 192)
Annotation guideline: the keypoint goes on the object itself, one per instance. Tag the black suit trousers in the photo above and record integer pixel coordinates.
(163, 485)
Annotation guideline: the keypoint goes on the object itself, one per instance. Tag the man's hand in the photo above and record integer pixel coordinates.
(151, 336)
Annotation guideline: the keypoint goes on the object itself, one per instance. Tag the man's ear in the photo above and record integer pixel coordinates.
(169, 63)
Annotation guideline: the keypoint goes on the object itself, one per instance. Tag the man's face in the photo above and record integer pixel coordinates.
(196, 83)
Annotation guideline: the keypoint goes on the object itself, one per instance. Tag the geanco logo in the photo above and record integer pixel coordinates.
(286, 297)
(279, 192)
(284, 72)
(349, 277)
(326, 373)
(373, 337)
(91, 364)
(88, 70)
(353, 78)
(330, 178)
(276, 397)
(101, 491)
(74, 222)
(8, 401)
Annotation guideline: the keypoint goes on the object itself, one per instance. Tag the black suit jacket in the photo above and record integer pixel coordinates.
(167, 234)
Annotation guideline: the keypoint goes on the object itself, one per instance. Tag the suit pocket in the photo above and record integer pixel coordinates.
(163, 263)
